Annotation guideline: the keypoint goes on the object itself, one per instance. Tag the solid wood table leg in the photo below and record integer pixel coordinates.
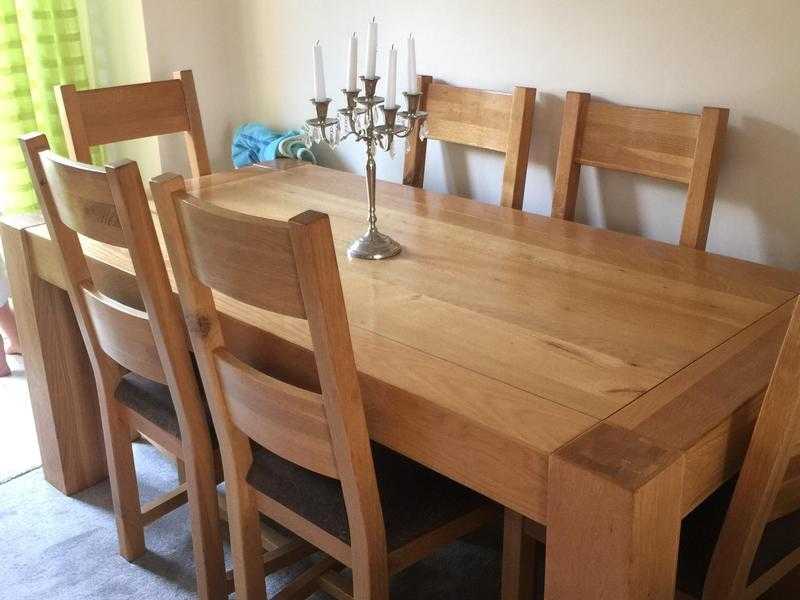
(614, 516)
(60, 379)
(519, 559)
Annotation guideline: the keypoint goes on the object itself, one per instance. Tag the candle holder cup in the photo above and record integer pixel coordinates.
(322, 129)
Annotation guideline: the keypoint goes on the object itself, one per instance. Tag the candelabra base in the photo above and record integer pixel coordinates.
(373, 245)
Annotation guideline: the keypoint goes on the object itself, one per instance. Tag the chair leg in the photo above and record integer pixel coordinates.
(122, 478)
(245, 534)
(180, 467)
(369, 584)
(206, 535)
(519, 559)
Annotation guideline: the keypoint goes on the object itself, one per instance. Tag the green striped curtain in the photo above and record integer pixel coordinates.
(40, 47)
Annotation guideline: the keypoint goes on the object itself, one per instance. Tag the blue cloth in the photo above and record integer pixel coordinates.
(254, 142)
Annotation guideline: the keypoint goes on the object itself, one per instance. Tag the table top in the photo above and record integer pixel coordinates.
(520, 332)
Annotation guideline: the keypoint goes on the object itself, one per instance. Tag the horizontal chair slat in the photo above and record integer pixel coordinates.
(124, 334)
(134, 111)
(466, 116)
(637, 140)
(244, 257)
(284, 419)
(83, 198)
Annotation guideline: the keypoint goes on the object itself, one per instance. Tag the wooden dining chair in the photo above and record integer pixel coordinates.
(139, 353)
(481, 119)
(759, 539)
(674, 146)
(745, 538)
(126, 112)
(300, 456)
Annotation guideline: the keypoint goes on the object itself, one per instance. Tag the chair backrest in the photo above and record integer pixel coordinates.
(667, 145)
(774, 442)
(482, 119)
(108, 205)
(288, 268)
(126, 112)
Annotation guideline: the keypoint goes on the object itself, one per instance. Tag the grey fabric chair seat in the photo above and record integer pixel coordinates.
(414, 500)
(153, 401)
(700, 532)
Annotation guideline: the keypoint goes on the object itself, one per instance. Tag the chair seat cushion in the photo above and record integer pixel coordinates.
(153, 401)
(414, 499)
(700, 532)
(150, 399)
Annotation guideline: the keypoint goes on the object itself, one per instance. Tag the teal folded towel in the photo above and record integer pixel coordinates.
(254, 142)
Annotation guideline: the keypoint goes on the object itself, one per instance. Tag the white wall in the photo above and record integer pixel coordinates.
(252, 61)
(199, 35)
(145, 40)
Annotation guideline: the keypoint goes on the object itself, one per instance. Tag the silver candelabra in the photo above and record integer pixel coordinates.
(360, 120)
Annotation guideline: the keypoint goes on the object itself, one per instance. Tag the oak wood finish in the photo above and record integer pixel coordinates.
(108, 205)
(416, 151)
(287, 420)
(60, 378)
(124, 334)
(271, 258)
(482, 119)
(519, 559)
(307, 583)
(766, 489)
(673, 345)
(114, 114)
(711, 429)
(612, 502)
(666, 145)
(164, 504)
(325, 432)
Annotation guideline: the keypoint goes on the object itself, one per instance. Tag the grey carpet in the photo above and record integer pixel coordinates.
(19, 451)
(60, 548)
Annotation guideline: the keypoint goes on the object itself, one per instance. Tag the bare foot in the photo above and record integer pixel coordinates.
(8, 326)
(4, 368)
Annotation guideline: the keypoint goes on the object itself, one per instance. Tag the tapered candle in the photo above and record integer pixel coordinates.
(319, 74)
(372, 47)
(413, 87)
(391, 79)
(352, 64)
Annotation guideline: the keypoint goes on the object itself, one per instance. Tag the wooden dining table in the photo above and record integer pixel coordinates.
(597, 383)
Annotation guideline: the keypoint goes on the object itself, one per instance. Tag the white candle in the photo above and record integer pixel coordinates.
(319, 74)
(413, 87)
(372, 47)
(391, 79)
(352, 64)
